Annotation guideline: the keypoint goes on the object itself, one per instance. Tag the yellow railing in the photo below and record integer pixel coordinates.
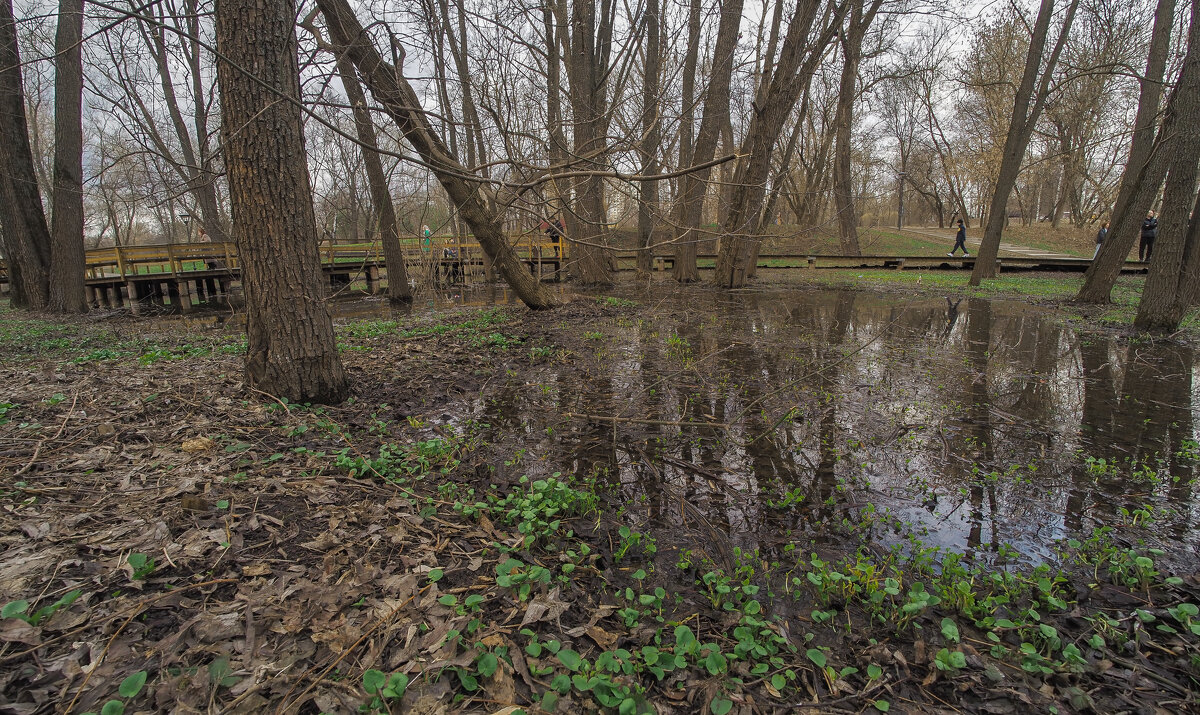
(175, 258)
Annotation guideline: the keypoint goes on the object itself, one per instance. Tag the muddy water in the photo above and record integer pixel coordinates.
(751, 419)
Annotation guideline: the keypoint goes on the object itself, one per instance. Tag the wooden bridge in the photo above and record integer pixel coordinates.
(182, 274)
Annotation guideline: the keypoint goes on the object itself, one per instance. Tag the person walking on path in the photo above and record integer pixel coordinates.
(1149, 233)
(960, 239)
(1100, 236)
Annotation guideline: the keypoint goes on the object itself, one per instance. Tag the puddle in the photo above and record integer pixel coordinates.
(764, 416)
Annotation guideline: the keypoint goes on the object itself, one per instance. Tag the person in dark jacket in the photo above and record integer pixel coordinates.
(960, 239)
(1100, 236)
(1149, 233)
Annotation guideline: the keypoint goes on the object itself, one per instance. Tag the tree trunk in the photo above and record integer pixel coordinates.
(389, 230)
(843, 191)
(684, 268)
(716, 113)
(1027, 107)
(648, 198)
(1140, 182)
(292, 350)
(587, 65)
(479, 207)
(1170, 286)
(66, 222)
(798, 59)
(26, 238)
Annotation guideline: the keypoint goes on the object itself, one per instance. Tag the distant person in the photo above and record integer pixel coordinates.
(1100, 236)
(426, 237)
(1149, 233)
(554, 230)
(960, 239)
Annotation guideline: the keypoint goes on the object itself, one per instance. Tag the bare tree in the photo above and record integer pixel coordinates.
(861, 17)
(389, 230)
(292, 351)
(1171, 286)
(1141, 180)
(798, 60)
(480, 207)
(1030, 99)
(716, 113)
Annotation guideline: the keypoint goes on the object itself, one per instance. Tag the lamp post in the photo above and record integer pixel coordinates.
(187, 223)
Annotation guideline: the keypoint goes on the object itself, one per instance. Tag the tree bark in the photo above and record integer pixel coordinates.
(684, 267)
(1170, 285)
(389, 231)
(292, 350)
(1027, 107)
(1140, 182)
(26, 237)
(476, 203)
(66, 222)
(648, 189)
(587, 73)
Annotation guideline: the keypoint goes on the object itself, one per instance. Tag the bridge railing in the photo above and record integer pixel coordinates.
(174, 258)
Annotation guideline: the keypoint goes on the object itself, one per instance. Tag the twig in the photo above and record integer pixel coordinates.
(37, 450)
(299, 698)
(634, 420)
(137, 609)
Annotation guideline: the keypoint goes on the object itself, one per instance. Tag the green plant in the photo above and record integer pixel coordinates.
(141, 565)
(382, 688)
(18, 609)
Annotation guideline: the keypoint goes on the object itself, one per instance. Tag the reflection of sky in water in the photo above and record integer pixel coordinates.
(970, 420)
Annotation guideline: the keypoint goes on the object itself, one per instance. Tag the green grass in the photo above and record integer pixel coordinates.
(1040, 288)
(881, 242)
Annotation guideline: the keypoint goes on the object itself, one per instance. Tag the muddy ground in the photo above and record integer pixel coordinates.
(673, 501)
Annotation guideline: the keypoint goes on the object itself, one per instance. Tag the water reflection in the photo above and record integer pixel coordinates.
(761, 416)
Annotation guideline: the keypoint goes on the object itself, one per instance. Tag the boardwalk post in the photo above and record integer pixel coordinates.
(373, 279)
(135, 300)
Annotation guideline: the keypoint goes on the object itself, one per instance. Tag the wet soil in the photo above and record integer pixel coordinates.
(852, 501)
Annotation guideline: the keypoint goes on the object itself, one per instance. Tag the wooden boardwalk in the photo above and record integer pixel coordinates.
(180, 275)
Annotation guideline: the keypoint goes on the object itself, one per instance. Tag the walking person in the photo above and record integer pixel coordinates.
(1149, 233)
(960, 240)
(1100, 236)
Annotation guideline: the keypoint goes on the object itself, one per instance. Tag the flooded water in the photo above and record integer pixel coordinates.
(761, 416)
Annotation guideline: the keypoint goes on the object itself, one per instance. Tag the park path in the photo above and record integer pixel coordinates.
(1005, 246)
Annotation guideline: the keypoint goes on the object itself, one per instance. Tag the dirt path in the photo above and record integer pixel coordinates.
(1005, 246)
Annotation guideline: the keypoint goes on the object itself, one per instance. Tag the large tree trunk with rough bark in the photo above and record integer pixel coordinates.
(66, 222)
(1175, 267)
(1027, 107)
(389, 230)
(1140, 182)
(479, 207)
(292, 350)
(26, 238)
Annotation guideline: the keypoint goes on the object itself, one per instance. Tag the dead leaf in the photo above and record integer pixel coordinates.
(544, 608)
(198, 445)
